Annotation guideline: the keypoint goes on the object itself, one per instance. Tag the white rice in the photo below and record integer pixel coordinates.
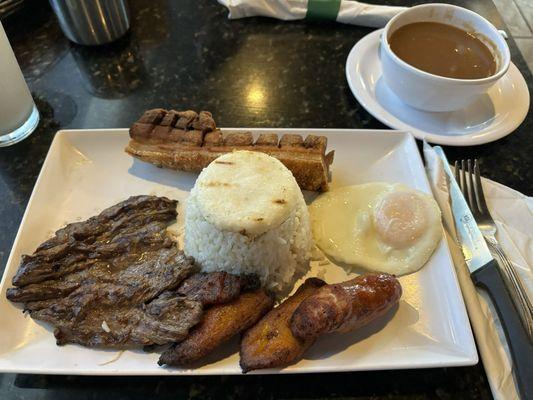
(277, 256)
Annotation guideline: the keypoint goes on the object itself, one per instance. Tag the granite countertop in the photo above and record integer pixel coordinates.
(251, 73)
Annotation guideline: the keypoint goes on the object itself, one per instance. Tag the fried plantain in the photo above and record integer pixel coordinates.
(270, 343)
(220, 322)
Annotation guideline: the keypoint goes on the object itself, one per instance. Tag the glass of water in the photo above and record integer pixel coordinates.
(18, 114)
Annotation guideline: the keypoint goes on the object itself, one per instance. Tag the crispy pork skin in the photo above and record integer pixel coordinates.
(189, 141)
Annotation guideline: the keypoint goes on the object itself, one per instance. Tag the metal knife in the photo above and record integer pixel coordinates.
(485, 273)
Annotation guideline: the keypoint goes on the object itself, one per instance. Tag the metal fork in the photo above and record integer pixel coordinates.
(468, 176)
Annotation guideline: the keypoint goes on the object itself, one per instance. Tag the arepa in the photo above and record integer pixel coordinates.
(247, 215)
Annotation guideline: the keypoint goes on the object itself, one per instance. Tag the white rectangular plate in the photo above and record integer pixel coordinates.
(87, 170)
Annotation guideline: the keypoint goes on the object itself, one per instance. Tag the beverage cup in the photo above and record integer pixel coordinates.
(18, 115)
(428, 92)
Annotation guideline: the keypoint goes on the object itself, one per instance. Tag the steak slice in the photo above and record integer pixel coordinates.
(161, 321)
(110, 281)
(131, 226)
(216, 287)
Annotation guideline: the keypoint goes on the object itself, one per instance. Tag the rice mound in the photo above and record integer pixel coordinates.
(278, 255)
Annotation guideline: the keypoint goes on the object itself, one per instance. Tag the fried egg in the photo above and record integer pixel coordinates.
(377, 226)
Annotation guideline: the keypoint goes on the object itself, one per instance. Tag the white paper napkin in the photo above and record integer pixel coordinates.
(513, 214)
(344, 11)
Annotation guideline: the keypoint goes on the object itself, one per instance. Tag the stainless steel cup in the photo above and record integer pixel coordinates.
(92, 22)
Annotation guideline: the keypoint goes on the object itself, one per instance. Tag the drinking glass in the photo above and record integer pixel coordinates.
(18, 114)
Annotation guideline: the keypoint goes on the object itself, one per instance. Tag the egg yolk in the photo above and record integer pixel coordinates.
(400, 218)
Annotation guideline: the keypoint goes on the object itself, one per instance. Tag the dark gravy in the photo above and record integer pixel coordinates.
(443, 50)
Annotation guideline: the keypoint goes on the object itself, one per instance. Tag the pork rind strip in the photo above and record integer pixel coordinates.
(189, 141)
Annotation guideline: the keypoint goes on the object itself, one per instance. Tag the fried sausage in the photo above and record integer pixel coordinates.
(270, 343)
(219, 323)
(345, 306)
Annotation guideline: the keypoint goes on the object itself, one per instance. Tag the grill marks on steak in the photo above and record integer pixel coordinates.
(110, 280)
(127, 227)
(99, 267)
(107, 315)
(216, 287)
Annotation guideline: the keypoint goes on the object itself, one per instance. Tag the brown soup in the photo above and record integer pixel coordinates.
(443, 50)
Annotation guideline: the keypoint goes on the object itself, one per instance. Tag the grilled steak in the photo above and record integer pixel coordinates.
(110, 280)
(216, 287)
(187, 141)
(123, 230)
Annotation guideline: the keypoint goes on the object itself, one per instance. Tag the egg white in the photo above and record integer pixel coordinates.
(378, 226)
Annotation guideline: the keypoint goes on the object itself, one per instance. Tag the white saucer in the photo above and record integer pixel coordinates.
(491, 117)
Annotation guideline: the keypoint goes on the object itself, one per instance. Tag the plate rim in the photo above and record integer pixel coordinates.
(381, 114)
(467, 355)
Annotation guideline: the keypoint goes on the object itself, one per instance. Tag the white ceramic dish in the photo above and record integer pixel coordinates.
(87, 171)
(492, 116)
(428, 92)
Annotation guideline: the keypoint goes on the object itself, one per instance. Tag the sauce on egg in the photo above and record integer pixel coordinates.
(377, 226)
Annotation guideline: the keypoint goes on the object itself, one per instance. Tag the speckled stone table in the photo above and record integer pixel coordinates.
(253, 72)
